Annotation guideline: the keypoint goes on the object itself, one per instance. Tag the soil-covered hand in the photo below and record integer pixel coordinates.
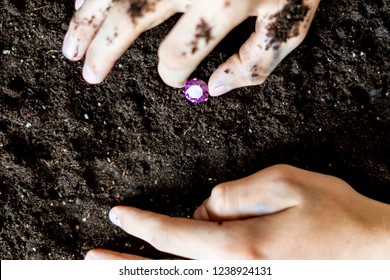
(281, 212)
(104, 29)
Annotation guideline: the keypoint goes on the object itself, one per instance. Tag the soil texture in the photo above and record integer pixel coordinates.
(70, 151)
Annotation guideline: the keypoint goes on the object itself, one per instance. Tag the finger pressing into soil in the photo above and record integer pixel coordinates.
(199, 30)
(102, 254)
(179, 236)
(126, 20)
(83, 27)
(278, 32)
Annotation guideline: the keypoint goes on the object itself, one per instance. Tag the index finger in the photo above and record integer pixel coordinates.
(83, 27)
(179, 236)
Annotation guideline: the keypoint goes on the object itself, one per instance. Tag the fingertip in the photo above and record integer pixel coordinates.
(174, 78)
(103, 254)
(201, 213)
(70, 48)
(198, 214)
(219, 90)
(234, 74)
(114, 216)
(219, 84)
(90, 76)
(93, 255)
(227, 77)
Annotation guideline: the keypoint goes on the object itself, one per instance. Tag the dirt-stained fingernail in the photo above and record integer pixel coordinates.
(114, 217)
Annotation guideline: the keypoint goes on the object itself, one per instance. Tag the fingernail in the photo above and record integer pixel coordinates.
(78, 4)
(89, 75)
(219, 90)
(113, 215)
(91, 256)
(70, 49)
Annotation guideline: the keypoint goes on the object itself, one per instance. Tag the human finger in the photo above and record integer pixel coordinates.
(115, 36)
(198, 31)
(265, 192)
(179, 236)
(279, 30)
(103, 254)
(83, 27)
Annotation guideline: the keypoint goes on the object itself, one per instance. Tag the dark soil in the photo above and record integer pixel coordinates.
(70, 151)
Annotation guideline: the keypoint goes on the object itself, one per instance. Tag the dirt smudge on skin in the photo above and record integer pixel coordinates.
(83, 21)
(138, 8)
(255, 72)
(110, 40)
(89, 20)
(76, 54)
(203, 31)
(286, 23)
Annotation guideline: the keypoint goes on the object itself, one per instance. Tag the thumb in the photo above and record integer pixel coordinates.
(274, 38)
(262, 193)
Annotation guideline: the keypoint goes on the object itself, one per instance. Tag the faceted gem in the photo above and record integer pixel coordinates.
(196, 91)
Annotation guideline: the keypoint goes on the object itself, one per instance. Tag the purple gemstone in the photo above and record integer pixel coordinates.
(196, 91)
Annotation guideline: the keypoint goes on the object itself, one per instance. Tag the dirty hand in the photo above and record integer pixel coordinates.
(104, 29)
(281, 212)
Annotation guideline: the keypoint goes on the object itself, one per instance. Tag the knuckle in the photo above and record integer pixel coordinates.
(239, 243)
(282, 174)
(248, 250)
(264, 248)
(219, 201)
